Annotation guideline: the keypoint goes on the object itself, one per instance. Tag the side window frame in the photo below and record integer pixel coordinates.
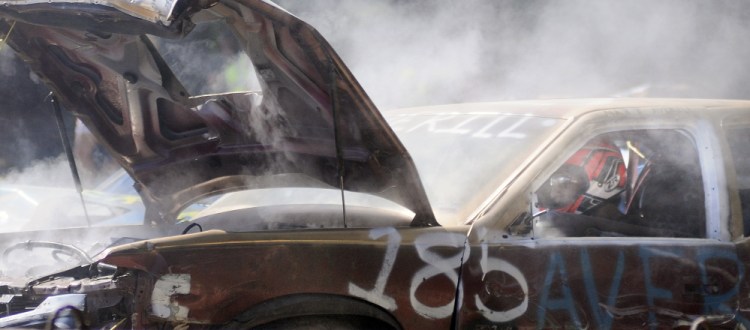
(740, 214)
(500, 220)
(699, 135)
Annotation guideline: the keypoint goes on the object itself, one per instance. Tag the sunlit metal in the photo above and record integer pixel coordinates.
(5, 38)
(152, 10)
(632, 148)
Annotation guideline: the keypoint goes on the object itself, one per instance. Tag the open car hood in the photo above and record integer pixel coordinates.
(312, 119)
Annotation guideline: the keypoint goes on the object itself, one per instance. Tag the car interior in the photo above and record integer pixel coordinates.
(663, 195)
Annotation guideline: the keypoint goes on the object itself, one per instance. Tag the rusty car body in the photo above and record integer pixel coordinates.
(322, 217)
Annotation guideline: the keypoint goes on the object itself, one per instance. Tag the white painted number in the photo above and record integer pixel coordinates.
(377, 294)
(436, 265)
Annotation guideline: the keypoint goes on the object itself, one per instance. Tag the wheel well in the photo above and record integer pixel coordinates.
(304, 305)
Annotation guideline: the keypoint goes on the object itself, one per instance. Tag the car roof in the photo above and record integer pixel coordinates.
(571, 108)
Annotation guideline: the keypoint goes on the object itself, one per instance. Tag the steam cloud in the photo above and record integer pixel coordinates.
(422, 52)
(408, 53)
(53, 172)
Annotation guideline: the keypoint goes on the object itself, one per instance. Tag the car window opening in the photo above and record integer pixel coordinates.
(632, 183)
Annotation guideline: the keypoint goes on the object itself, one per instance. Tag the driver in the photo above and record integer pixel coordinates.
(590, 182)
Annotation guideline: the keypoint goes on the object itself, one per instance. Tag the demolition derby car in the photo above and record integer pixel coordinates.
(561, 214)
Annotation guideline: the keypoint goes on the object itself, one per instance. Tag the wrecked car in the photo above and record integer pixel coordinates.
(316, 209)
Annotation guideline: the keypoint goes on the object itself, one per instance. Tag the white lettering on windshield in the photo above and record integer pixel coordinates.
(508, 132)
(475, 125)
(430, 123)
(482, 133)
(458, 129)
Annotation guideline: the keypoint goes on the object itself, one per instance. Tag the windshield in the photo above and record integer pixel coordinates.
(463, 156)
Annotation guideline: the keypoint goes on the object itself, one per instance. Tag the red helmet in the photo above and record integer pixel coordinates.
(605, 168)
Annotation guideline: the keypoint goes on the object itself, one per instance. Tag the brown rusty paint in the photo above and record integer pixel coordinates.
(228, 275)
(570, 282)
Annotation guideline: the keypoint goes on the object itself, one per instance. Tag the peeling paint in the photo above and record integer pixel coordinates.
(162, 304)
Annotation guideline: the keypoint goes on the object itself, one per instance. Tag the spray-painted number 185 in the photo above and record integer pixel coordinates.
(437, 265)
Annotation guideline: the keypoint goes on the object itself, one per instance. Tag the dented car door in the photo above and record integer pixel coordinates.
(582, 283)
(656, 258)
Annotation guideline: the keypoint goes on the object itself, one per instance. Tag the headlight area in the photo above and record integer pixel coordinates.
(95, 295)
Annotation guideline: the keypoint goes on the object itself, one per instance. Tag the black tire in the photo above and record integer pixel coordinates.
(326, 322)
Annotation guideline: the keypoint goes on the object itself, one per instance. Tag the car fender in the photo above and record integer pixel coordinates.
(305, 305)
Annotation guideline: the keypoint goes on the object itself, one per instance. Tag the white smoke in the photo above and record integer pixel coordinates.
(54, 172)
(423, 52)
(431, 52)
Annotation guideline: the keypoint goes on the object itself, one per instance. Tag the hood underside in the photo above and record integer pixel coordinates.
(311, 119)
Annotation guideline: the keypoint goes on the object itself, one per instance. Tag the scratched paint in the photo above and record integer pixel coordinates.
(487, 265)
(589, 299)
(566, 284)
